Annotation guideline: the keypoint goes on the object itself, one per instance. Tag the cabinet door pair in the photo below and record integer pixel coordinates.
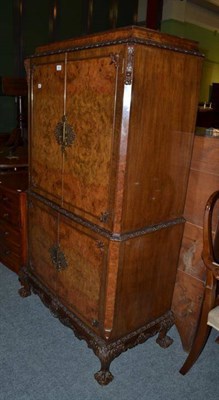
(72, 131)
(72, 260)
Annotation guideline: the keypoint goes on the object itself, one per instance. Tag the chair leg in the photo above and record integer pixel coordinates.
(197, 347)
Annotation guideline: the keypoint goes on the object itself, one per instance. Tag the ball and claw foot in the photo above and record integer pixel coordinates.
(103, 377)
(164, 341)
(24, 291)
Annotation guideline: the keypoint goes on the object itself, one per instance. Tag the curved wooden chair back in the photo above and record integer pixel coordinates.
(209, 315)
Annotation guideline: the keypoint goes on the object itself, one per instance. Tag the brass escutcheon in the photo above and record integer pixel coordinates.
(64, 133)
(58, 258)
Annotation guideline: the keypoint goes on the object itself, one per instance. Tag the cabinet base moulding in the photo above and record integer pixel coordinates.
(106, 351)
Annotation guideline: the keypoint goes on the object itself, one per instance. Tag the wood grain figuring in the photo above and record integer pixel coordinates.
(91, 90)
(190, 260)
(49, 106)
(111, 287)
(153, 191)
(127, 33)
(198, 193)
(79, 285)
(189, 293)
(43, 225)
(203, 178)
(191, 275)
(142, 274)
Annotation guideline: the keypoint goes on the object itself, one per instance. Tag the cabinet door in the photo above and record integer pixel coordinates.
(80, 284)
(68, 260)
(47, 110)
(90, 110)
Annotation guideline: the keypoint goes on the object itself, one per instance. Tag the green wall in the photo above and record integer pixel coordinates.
(208, 44)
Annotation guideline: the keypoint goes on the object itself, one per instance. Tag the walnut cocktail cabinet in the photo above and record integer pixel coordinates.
(111, 120)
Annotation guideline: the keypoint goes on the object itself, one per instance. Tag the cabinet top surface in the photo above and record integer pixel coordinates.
(131, 34)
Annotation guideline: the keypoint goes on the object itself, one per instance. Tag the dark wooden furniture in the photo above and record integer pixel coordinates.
(191, 274)
(13, 181)
(112, 117)
(13, 243)
(209, 315)
(208, 118)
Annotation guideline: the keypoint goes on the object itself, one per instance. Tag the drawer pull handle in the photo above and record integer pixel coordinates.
(5, 215)
(58, 258)
(5, 198)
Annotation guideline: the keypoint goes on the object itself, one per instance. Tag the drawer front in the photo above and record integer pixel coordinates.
(9, 200)
(10, 207)
(10, 256)
(9, 235)
(10, 216)
(68, 259)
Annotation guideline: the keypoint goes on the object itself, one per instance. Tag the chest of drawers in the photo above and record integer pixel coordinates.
(13, 219)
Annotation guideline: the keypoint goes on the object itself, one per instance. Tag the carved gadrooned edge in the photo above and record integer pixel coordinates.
(129, 41)
(106, 352)
(117, 237)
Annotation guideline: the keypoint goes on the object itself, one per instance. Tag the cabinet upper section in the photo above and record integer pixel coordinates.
(72, 131)
(111, 126)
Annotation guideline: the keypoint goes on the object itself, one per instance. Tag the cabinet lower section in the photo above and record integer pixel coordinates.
(113, 290)
(105, 351)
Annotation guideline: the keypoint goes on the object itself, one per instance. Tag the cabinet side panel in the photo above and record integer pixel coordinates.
(146, 279)
(164, 103)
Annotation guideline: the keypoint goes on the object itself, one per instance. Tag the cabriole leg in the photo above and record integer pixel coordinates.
(163, 340)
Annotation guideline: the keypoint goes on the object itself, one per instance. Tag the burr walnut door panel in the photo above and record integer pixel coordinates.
(73, 146)
(80, 284)
(69, 260)
(90, 111)
(43, 233)
(47, 110)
